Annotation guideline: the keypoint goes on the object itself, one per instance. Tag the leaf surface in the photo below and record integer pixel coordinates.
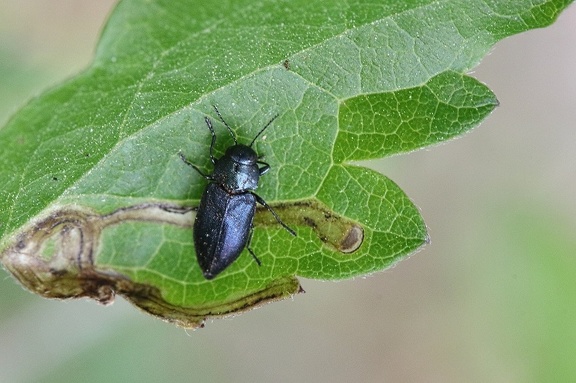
(95, 200)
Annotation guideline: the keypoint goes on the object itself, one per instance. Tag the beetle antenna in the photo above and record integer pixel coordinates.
(228, 126)
(263, 129)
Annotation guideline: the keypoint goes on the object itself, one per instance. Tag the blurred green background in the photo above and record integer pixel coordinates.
(492, 299)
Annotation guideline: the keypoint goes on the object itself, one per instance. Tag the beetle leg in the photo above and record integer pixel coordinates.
(263, 203)
(208, 177)
(209, 124)
(264, 169)
(250, 249)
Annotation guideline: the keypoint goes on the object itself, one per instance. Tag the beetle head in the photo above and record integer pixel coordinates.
(242, 154)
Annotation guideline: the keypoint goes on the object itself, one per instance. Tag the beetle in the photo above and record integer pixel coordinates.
(224, 220)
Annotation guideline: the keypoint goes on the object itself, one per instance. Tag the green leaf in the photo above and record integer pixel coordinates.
(96, 202)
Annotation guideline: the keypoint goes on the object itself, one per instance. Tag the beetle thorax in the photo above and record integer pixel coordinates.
(237, 171)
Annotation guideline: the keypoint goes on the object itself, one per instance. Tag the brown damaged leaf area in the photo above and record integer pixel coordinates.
(335, 231)
(55, 258)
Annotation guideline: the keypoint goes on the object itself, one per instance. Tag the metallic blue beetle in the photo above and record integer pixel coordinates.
(224, 221)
